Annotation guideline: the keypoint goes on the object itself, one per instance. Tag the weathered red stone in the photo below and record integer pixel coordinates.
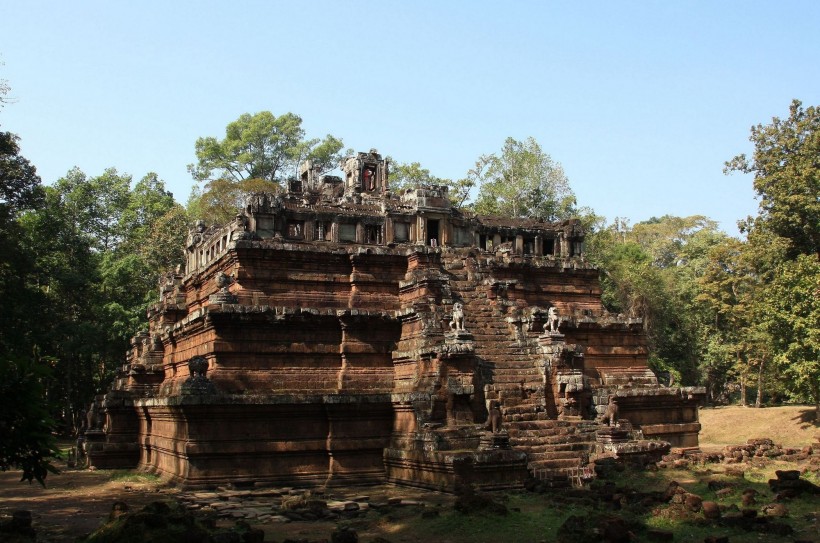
(339, 334)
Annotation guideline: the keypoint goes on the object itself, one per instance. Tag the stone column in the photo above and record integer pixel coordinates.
(389, 233)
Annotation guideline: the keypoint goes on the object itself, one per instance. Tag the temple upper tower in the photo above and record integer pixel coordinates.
(365, 173)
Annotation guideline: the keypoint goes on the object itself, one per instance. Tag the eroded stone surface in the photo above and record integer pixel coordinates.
(342, 334)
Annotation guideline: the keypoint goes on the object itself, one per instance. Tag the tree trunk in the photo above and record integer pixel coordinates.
(743, 389)
(742, 368)
(759, 383)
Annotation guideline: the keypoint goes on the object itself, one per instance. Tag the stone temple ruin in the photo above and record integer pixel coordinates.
(339, 333)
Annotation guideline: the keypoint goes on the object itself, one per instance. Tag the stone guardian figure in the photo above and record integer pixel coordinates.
(494, 418)
(457, 324)
(553, 320)
(611, 413)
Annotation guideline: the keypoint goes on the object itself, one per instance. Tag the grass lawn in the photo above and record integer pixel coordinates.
(790, 426)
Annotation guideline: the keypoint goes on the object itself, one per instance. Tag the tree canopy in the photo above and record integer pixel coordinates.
(262, 146)
(786, 168)
(522, 181)
(258, 153)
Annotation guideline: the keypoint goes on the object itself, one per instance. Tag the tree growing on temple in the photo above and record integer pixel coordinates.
(522, 181)
(258, 153)
(404, 176)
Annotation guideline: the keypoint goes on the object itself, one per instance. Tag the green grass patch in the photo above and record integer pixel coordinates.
(130, 476)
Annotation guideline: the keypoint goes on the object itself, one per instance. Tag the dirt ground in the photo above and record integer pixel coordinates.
(76, 502)
(73, 503)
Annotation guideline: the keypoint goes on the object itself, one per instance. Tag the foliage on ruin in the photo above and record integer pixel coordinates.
(411, 175)
(522, 181)
(258, 153)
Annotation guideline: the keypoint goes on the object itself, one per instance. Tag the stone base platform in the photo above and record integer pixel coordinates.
(446, 471)
(263, 440)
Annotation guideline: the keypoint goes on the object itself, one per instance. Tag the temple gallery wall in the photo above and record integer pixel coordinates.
(339, 333)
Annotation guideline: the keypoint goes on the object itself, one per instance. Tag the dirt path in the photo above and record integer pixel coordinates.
(74, 502)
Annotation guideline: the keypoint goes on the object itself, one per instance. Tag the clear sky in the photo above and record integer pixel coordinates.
(641, 102)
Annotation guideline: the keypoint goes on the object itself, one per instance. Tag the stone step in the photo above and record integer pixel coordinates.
(526, 417)
(533, 450)
(555, 464)
(563, 450)
(530, 408)
(546, 437)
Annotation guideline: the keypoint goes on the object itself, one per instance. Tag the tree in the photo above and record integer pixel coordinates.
(96, 205)
(26, 440)
(221, 199)
(404, 176)
(650, 270)
(19, 183)
(262, 146)
(258, 152)
(792, 318)
(4, 90)
(783, 248)
(786, 172)
(522, 181)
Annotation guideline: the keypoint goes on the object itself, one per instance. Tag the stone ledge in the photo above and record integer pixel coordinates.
(263, 399)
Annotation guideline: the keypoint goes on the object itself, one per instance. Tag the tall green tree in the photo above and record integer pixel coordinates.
(26, 440)
(262, 146)
(258, 152)
(784, 245)
(96, 204)
(792, 318)
(522, 181)
(787, 177)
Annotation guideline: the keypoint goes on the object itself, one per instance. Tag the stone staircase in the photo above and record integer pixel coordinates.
(510, 366)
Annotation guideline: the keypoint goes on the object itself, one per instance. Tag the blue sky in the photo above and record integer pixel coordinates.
(641, 102)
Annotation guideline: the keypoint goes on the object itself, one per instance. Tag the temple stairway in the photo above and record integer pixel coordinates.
(511, 370)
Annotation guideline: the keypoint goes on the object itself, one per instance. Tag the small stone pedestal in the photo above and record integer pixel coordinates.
(494, 440)
(224, 296)
(457, 343)
(550, 338)
(611, 435)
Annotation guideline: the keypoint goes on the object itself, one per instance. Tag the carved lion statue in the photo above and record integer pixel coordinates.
(457, 323)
